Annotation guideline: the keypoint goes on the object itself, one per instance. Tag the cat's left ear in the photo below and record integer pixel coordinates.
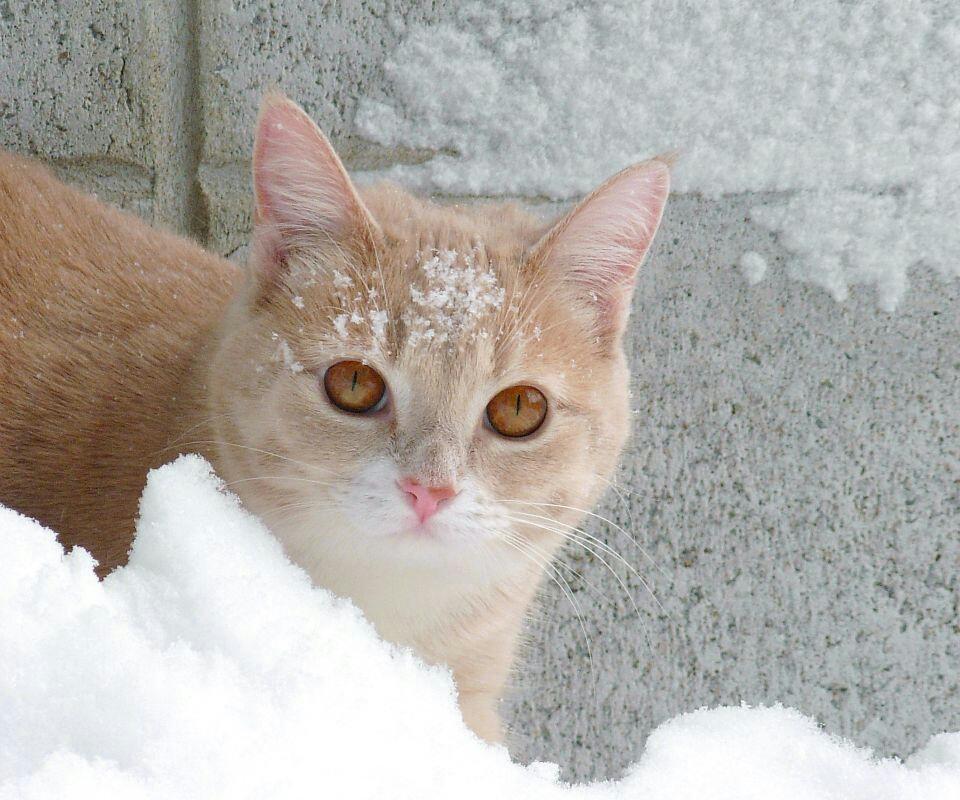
(304, 196)
(599, 246)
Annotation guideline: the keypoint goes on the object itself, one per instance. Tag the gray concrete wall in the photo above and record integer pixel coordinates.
(795, 475)
(795, 471)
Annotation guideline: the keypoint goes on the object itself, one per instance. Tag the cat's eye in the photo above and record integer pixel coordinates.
(517, 411)
(355, 387)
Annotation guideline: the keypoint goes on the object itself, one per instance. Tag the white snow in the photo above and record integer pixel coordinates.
(340, 325)
(754, 266)
(361, 311)
(210, 667)
(341, 281)
(378, 323)
(457, 291)
(847, 114)
(285, 354)
(372, 317)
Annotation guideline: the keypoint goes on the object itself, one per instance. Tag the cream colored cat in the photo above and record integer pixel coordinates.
(417, 399)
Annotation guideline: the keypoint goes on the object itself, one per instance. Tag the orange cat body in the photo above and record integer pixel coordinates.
(120, 347)
(102, 320)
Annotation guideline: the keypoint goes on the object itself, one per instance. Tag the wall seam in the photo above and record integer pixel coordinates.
(196, 207)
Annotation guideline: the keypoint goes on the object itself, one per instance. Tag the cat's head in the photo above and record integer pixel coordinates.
(412, 383)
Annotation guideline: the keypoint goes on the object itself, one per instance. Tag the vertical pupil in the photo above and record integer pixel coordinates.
(353, 386)
(518, 404)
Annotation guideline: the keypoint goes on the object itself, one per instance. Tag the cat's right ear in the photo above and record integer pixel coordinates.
(598, 247)
(304, 196)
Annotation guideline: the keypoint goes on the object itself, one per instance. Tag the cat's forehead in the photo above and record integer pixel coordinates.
(456, 269)
(447, 292)
(433, 286)
(450, 296)
(447, 306)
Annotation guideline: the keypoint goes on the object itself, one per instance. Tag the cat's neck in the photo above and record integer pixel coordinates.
(415, 603)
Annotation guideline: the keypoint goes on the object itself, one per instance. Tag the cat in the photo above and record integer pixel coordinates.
(419, 400)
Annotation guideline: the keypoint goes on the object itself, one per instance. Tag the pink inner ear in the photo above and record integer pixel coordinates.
(300, 185)
(600, 245)
(608, 235)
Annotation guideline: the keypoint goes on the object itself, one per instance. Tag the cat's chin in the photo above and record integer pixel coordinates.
(439, 531)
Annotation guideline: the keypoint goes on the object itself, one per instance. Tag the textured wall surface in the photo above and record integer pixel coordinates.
(794, 478)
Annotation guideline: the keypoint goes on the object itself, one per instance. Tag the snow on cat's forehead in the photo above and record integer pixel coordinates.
(452, 294)
(448, 296)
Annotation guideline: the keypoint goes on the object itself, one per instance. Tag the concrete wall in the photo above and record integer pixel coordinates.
(795, 473)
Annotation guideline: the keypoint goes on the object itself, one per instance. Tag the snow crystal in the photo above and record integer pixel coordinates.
(341, 281)
(378, 323)
(375, 319)
(285, 354)
(297, 300)
(359, 309)
(849, 108)
(457, 292)
(754, 266)
(340, 325)
(210, 667)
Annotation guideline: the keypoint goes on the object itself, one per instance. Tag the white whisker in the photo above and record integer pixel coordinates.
(587, 546)
(254, 450)
(571, 531)
(280, 478)
(545, 563)
(600, 517)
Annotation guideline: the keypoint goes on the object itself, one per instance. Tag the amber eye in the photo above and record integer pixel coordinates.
(353, 386)
(517, 411)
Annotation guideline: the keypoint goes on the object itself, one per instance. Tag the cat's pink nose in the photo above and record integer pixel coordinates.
(425, 499)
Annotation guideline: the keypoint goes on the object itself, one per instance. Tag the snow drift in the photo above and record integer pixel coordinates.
(210, 667)
(841, 118)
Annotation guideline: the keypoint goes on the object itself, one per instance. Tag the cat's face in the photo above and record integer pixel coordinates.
(406, 383)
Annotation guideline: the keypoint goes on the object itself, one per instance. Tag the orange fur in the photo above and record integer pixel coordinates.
(121, 346)
(101, 322)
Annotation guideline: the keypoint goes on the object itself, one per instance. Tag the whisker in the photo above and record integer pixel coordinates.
(565, 529)
(621, 497)
(305, 505)
(600, 517)
(525, 548)
(254, 450)
(559, 562)
(200, 424)
(623, 586)
(508, 310)
(383, 287)
(524, 318)
(279, 478)
(619, 489)
(586, 546)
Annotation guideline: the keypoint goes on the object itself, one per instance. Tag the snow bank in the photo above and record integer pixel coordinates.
(849, 108)
(209, 667)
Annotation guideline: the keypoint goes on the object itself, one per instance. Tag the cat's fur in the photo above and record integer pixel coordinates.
(120, 346)
(101, 322)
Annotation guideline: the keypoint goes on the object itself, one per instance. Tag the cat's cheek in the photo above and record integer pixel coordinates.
(373, 500)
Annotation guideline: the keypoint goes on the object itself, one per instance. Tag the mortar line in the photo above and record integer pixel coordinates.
(192, 111)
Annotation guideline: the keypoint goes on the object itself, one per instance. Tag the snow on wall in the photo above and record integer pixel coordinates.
(210, 667)
(851, 109)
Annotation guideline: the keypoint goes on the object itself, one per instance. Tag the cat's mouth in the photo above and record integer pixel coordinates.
(436, 527)
(422, 530)
(453, 524)
(390, 504)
